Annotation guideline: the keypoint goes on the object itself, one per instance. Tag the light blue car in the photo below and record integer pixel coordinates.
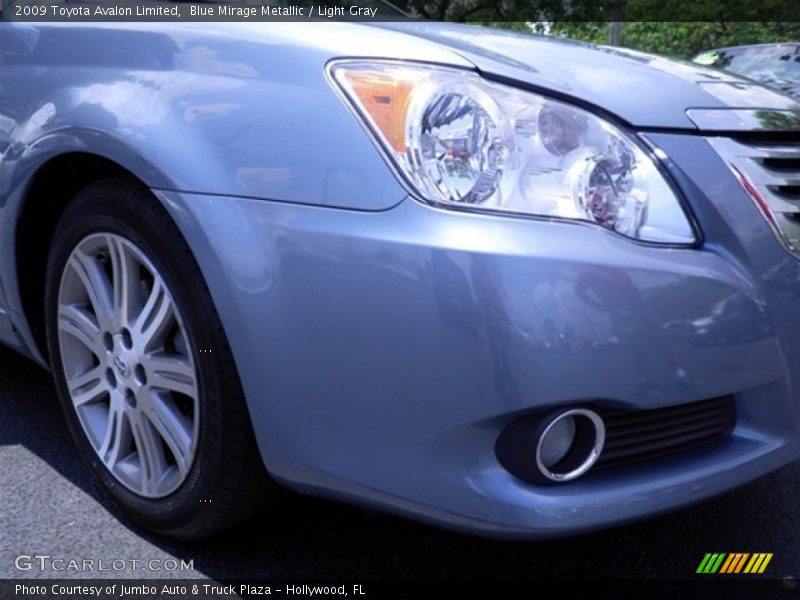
(505, 284)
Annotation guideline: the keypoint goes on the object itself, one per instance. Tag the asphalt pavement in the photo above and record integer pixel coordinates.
(49, 505)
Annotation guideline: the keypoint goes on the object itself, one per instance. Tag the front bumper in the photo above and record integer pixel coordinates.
(383, 352)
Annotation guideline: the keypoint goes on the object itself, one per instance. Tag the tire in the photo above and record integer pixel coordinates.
(153, 401)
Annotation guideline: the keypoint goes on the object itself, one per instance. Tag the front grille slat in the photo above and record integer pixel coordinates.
(635, 436)
(760, 173)
(775, 151)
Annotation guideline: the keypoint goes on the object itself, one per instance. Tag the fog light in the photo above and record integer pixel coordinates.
(570, 444)
(555, 448)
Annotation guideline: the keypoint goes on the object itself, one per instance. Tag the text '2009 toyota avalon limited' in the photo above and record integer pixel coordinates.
(501, 283)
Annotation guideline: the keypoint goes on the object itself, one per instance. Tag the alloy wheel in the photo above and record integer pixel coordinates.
(128, 364)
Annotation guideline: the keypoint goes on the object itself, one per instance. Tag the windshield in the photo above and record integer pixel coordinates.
(774, 64)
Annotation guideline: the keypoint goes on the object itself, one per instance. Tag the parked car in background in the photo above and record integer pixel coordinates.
(506, 284)
(776, 65)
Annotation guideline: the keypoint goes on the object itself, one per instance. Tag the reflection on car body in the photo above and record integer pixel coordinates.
(775, 65)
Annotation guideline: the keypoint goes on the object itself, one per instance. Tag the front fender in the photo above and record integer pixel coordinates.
(197, 110)
(22, 160)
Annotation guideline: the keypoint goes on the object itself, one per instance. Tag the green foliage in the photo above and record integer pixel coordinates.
(679, 39)
(502, 12)
(589, 31)
(646, 25)
(654, 11)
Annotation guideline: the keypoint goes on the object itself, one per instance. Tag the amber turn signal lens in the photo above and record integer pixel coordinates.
(386, 100)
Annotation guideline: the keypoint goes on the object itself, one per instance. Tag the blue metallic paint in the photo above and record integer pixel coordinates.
(383, 344)
(438, 329)
(640, 89)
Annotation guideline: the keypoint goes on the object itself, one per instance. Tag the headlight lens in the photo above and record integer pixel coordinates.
(463, 141)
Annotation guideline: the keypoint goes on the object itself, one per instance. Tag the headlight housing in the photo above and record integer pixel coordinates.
(463, 141)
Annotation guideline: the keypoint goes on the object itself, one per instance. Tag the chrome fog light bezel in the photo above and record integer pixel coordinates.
(582, 454)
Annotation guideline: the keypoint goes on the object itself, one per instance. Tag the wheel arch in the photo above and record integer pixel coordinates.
(48, 189)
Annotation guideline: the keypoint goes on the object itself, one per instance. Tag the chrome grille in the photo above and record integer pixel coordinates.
(773, 169)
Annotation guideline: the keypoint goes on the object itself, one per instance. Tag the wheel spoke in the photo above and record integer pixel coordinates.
(172, 374)
(173, 428)
(96, 284)
(151, 455)
(77, 322)
(117, 437)
(156, 316)
(124, 279)
(88, 387)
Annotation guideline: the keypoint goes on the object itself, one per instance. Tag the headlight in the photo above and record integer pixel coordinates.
(463, 141)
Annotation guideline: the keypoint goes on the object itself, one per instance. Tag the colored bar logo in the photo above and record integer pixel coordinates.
(736, 562)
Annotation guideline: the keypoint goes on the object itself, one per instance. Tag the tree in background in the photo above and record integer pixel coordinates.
(508, 11)
(679, 39)
(647, 25)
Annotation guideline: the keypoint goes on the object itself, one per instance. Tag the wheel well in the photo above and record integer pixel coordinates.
(53, 186)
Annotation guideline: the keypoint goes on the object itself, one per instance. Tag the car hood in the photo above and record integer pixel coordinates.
(643, 90)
